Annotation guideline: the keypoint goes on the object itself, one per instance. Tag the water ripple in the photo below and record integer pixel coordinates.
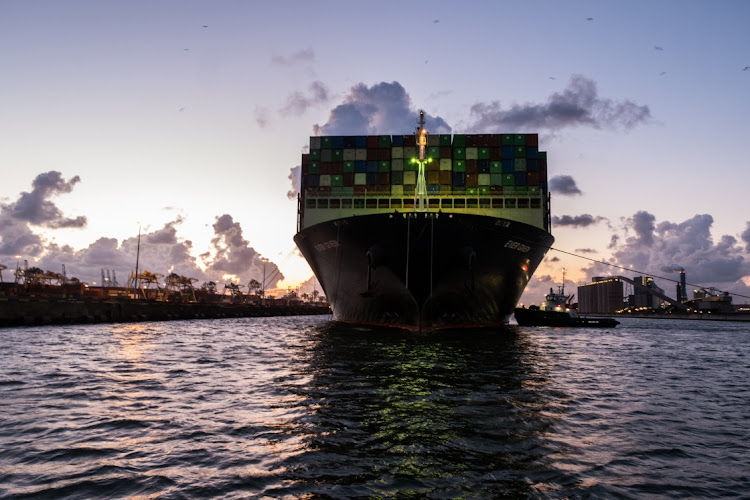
(297, 407)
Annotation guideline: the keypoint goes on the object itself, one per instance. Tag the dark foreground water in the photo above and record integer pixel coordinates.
(299, 408)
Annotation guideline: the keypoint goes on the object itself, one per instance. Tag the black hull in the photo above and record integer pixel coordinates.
(423, 271)
(531, 317)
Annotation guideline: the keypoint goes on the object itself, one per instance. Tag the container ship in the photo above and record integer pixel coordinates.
(424, 232)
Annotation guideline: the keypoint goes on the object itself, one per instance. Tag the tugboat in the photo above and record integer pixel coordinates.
(556, 311)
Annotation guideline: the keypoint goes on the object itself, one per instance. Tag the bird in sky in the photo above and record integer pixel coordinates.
(746, 68)
(656, 47)
(589, 18)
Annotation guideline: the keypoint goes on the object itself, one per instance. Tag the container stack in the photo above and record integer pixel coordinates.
(383, 165)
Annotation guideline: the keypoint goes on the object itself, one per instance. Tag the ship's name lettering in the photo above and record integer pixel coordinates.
(326, 245)
(517, 246)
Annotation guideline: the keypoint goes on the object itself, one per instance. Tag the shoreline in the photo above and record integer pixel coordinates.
(20, 311)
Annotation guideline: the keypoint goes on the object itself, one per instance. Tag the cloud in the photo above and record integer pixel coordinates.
(295, 176)
(583, 220)
(648, 246)
(233, 253)
(746, 238)
(298, 102)
(35, 208)
(564, 185)
(578, 105)
(305, 56)
(16, 238)
(384, 108)
(585, 250)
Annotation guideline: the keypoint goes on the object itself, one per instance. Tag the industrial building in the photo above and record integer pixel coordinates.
(603, 295)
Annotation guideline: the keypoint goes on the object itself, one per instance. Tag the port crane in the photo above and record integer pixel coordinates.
(144, 280)
(181, 286)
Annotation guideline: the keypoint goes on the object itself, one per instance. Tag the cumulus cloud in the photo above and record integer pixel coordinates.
(578, 105)
(383, 108)
(295, 176)
(233, 254)
(583, 220)
(299, 102)
(647, 246)
(746, 238)
(305, 56)
(564, 185)
(35, 207)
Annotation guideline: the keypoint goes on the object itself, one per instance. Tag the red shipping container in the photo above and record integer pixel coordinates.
(410, 141)
(496, 153)
(372, 141)
(433, 177)
(532, 179)
(495, 141)
(337, 167)
(306, 159)
(532, 139)
(471, 167)
(471, 180)
(446, 177)
(446, 152)
(384, 179)
(348, 180)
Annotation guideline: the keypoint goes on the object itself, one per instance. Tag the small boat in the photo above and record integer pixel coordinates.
(556, 311)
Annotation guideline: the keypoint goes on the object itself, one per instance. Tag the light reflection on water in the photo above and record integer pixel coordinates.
(299, 407)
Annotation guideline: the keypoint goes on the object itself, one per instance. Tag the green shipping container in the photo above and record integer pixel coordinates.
(348, 167)
(384, 141)
(314, 167)
(315, 154)
(496, 167)
(459, 165)
(471, 153)
(445, 140)
(384, 166)
(483, 153)
(507, 140)
(337, 180)
(509, 179)
(459, 141)
(433, 152)
(519, 140)
(459, 153)
(410, 165)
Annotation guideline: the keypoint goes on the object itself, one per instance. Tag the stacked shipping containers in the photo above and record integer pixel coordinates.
(382, 165)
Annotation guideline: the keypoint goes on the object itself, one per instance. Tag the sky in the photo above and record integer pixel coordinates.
(186, 120)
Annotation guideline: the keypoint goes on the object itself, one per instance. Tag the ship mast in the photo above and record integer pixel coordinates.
(421, 193)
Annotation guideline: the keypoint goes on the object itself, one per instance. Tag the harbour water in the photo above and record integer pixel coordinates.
(298, 407)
